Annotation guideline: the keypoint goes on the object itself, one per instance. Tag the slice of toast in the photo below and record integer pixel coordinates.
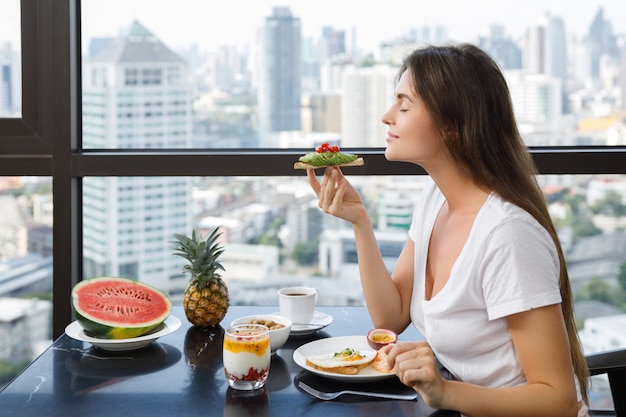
(380, 363)
(344, 370)
(303, 165)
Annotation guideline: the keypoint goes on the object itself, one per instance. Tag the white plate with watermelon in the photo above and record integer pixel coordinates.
(76, 331)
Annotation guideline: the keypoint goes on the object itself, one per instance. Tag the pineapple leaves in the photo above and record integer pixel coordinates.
(202, 254)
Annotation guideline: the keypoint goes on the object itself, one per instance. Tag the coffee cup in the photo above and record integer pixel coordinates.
(297, 303)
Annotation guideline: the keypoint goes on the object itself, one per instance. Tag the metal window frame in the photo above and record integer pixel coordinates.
(46, 141)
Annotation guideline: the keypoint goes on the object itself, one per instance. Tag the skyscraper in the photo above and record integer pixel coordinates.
(10, 81)
(537, 100)
(602, 41)
(622, 79)
(546, 48)
(333, 42)
(501, 47)
(280, 86)
(546, 52)
(136, 95)
(367, 94)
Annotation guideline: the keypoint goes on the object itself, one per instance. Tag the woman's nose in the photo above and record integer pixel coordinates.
(385, 118)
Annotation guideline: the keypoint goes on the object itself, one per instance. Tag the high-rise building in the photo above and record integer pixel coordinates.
(338, 257)
(136, 95)
(602, 41)
(10, 81)
(367, 94)
(305, 223)
(5, 81)
(500, 47)
(280, 86)
(545, 51)
(23, 328)
(622, 78)
(227, 69)
(333, 42)
(324, 113)
(581, 64)
(537, 100)
(395, 209)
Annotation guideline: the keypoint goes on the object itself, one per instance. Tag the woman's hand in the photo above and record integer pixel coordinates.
(337, 196)
(417, 368)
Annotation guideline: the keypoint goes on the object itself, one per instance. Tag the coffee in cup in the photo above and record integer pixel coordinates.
(297, 303)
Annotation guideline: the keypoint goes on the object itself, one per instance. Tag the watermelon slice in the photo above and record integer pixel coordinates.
(118, 308)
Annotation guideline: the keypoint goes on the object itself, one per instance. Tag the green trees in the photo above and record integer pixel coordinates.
(8, 371)
(601, 290)
(306, 253)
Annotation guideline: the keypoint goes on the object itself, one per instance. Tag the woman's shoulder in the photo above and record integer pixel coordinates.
(509, 222)
(501, 210)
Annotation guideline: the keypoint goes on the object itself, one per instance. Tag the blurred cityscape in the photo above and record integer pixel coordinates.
(286, 91)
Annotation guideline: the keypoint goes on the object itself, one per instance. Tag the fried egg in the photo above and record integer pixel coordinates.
(346, 357)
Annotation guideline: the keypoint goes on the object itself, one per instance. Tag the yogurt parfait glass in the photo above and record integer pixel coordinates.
(247, 356)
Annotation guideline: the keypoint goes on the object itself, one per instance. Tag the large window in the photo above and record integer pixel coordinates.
(165, 116)
(25, 271)
(290, 74)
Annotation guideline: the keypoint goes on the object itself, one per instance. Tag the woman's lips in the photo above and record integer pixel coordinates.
(391, 136)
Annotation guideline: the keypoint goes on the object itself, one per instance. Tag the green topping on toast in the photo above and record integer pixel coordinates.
(327, 158)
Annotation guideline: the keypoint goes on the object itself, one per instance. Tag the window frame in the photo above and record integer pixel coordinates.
(46, 141)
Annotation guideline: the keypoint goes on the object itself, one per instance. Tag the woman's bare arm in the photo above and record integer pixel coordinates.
(388, 298)
(542, 347)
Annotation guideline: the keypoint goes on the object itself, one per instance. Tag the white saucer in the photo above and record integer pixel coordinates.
(76, 331)
(319, 321)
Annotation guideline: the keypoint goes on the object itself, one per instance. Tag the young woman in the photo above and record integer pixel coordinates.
(482, 274)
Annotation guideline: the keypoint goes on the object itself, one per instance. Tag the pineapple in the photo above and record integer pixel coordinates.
(206, 296)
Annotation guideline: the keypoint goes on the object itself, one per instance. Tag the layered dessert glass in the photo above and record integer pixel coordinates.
(247, 356)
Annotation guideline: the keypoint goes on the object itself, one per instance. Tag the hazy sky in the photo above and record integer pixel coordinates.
(177, 22)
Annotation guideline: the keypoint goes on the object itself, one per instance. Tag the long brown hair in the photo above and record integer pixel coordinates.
(469, 102)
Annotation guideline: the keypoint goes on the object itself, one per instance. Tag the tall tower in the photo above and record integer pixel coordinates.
(136, 95)
(546, 48)
(280, 86)
(537, 100)
(502, 48)
(602, 41)
(622, 79)
(367, 94)
(546, 51)
(10, 81)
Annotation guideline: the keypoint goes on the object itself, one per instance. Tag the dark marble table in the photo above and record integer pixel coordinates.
(181, 374)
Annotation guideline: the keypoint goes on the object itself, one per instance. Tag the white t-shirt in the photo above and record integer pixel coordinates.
(509, 264)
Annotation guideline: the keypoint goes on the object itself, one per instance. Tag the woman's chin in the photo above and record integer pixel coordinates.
(393, 156)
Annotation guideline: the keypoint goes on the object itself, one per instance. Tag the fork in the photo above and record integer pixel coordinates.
(332, 395)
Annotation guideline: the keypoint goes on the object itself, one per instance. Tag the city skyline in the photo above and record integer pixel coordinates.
(160, 16)
(253, 204)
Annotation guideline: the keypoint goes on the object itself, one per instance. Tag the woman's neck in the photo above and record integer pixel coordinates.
(461, 193)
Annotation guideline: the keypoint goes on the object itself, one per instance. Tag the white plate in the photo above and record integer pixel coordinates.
(336, 344)
(76, 331)
(319, 321)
